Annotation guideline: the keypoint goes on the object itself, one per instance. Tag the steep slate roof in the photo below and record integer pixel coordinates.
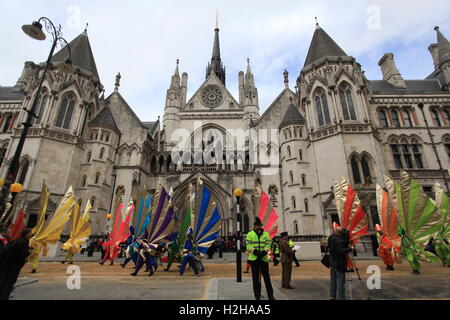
(413, 86)
(322, 45)
(150, 125)
(82, 56)
(10, 93)
(105, 118)
(292, 115)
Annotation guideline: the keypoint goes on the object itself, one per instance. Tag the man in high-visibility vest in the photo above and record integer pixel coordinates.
(258, 248)
(294, 258)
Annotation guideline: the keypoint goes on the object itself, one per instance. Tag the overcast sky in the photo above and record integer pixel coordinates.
(142, 39)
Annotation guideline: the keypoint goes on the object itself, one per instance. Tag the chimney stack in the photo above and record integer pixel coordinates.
(390, 71)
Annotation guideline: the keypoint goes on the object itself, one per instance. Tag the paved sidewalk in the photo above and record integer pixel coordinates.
(229, 289)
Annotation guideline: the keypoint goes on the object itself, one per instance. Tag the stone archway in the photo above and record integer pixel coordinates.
(220, 195)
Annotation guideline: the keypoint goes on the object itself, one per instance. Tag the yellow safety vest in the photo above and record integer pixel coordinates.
(258, 243)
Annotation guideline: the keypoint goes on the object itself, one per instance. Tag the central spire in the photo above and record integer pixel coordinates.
(216, 65)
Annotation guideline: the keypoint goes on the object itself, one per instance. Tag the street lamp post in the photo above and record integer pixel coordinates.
(238, 193)
(34, 31)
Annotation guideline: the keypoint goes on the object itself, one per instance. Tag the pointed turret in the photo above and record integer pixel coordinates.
(175, 99)
(250, 99)
(322, 45)
(175, 83)
(216, 65)
(82, 56)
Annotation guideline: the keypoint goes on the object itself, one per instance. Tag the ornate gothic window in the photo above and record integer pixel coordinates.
(41, 104)
(407, 154)
(66, 111)
(212, 96)
(323, 113)
(365, 165)
(383, 119)
(348, 108)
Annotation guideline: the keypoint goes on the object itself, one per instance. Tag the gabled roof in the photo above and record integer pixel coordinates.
(127, 106)
(292, 116)
(105, 119)
(322, 45)
(82, 56)
(10, 93)
(274, 103)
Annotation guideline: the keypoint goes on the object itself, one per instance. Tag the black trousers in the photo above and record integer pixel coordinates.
(295, 260)
(10, 278)
(261, 267)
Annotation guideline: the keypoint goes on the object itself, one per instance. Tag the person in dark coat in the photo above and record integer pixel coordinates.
(286, 261)
(338, 244)
(4, 240)
(17, 254)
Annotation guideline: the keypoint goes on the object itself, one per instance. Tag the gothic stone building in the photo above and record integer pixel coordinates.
(334, 123)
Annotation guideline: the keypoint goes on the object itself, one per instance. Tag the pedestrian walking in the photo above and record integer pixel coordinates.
(286, 261)
(275, 252)
(338, 245)
(294, 258)
(258, 248)
(17, 253)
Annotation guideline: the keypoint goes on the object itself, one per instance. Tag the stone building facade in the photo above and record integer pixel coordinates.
(334, 122)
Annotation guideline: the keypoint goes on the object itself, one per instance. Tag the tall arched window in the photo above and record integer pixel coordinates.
(395, 119)
(295, 227)
(417, 153)
(66, 111)
(89, 156)
(355, 170)
(23, 171)
(289, 151)
(407, 120)
(383, 119)
(84, 180)
(365, 164)
(294, 205)
(348, 108)
(306, 206)
(323, 112)
(97, 178)
(396, 153)
(7, 123)
(291, 176)
(41, 104)
(435, 117)
(300, 155)
(304, 179)
(102, 152)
